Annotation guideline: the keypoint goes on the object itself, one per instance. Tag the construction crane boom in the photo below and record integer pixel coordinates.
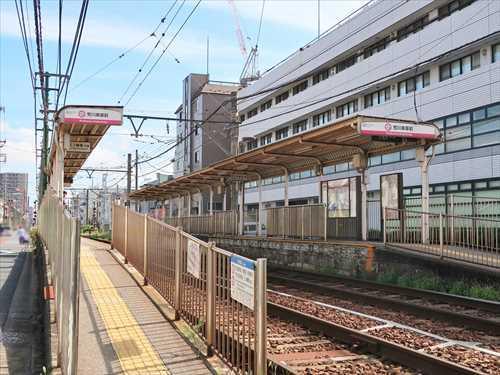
(239, 33)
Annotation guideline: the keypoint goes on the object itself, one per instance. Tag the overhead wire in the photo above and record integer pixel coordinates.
(22, 26)
(148, 57)
(162, 53)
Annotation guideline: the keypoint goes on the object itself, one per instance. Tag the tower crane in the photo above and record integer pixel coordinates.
(250, 70)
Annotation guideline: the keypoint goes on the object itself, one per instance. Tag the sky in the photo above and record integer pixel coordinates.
(112, 27)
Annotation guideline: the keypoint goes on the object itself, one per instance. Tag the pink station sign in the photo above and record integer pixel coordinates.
(399, 129)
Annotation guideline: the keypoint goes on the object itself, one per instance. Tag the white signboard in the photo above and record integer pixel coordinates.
(193, 259)
(242, 280)
(399, 129)
(79, 147)
(92, 115)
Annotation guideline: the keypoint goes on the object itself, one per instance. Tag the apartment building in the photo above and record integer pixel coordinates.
(14, 193)
(424, 60)
(205, 133)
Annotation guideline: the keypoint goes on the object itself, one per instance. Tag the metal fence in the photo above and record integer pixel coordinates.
(466, 238)
(202, 283)
(220, 222)
(61, 236)
(305, 221)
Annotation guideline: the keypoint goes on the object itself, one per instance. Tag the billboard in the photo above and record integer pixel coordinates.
(399, 129)
(92, 115)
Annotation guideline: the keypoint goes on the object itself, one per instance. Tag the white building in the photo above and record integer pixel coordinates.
(424, 60)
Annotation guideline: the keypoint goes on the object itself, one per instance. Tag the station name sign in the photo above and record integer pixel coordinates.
(399, 129)
(92, 115)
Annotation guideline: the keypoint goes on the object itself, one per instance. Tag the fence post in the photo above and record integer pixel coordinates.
(441, 245)
(126, 235)
(261, 316)
(302, 220)
(178, 271)
(211, 289)
(112, 222)
(326, 222)
(452, 220)
(145, 249)
(384, 216)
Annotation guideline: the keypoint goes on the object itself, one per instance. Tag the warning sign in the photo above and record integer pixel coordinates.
(193, 259)
(242, 280)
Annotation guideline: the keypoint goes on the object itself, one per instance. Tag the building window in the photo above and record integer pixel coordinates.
(300, 126)
(416, 83)
(344, 64)
(299, 88)
(452, 7)
(251, 144)
(266, 139)
(418, 25)
(322, 118)
(281, 133)
(252, 113)
(321, 76)
(242, 118)
(196, 157)
(459, 66)
(495, 53)
(282, 97)
(376, 47)
(266, 105)
(347, 108)
(378, 97)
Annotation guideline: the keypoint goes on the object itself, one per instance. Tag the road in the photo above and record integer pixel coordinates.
(20, 315)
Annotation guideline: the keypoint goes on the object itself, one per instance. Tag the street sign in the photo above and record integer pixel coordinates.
(79, 147)
(92, 115)
(399, 129)
(193, 259)
(242, 280)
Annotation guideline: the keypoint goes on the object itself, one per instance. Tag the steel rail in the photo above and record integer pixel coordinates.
(409, 357)
(420, 310)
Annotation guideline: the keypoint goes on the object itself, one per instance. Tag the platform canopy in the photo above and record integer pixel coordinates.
(78, 130)
(328, 145)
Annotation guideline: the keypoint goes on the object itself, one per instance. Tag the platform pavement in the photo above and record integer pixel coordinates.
(121, 330)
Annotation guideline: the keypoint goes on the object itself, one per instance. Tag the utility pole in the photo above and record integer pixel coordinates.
(136, 175)
(87, 206)
(129, 177)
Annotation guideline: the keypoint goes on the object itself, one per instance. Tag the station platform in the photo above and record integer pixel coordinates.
(121, 331)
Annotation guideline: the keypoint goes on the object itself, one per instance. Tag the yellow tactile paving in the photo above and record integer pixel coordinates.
(134, 351)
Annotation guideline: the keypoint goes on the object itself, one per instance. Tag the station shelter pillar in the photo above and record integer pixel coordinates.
(360, 162)
(424, 162)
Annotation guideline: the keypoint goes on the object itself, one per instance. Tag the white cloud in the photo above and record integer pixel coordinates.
(299, 14)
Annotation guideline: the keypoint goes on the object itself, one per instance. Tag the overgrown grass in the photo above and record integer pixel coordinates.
(96, 234)
(462, 287)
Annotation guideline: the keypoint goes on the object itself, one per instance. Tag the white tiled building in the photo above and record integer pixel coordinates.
(428, 60)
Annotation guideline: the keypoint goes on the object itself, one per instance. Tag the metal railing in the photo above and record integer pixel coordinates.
(220, 222)
(61, 236)
(203, 283)
(466, 238)
(304, 221)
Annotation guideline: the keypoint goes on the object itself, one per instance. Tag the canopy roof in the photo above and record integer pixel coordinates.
(81, 127)
(332, 144)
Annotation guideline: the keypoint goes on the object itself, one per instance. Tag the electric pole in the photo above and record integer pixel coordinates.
(136, 175)
(129, 177)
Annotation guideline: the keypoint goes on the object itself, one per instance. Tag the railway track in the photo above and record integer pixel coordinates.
(414, 349)
(472, 313)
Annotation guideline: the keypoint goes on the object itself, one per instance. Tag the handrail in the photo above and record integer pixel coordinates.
(443, 214)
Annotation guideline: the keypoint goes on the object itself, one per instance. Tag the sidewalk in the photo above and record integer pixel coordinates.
(21, 340)
(121, 331)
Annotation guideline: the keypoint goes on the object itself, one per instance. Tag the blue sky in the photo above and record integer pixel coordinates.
(112, 27)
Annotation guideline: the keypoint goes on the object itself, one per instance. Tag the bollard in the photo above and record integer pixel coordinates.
(261, 316)
(211, 289)
(145, 266)
(178, 271)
